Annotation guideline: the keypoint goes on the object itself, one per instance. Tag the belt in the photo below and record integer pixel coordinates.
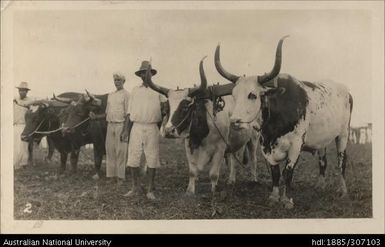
(145, 123)
(115, 122)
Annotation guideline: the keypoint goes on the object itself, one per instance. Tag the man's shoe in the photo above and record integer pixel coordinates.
(150, 196)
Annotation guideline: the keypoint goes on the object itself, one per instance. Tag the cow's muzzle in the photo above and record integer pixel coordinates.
(171, 132)
(67, 131)
(237, 124)
(25, 138)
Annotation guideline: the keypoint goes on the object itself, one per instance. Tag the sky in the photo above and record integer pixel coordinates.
(72, 50)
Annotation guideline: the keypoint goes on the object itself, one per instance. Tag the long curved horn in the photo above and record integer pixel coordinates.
(95, 101)
(56, 103)
(203, 84)
(61, 99)
(152, 85)
(220, 69)
(277, 65)
(44, 103)
(90, 95)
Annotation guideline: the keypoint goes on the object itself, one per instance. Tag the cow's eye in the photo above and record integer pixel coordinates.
(252, 96)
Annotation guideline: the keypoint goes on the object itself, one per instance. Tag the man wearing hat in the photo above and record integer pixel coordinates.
(20, 148)
(116, 110)
(144, 111)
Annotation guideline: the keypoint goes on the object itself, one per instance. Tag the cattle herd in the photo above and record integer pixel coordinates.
(218, 123)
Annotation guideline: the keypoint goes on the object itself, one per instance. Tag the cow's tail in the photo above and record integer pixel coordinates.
(351, 107)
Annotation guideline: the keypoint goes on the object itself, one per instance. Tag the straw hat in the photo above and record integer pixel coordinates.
(23, 85)
(143, 68)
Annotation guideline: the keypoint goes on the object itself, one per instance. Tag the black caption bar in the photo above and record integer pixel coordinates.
(181, 240)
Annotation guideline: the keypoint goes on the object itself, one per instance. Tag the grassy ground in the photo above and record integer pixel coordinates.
(77, 196)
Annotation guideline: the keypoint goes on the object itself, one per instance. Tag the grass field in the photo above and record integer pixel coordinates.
(77, 196)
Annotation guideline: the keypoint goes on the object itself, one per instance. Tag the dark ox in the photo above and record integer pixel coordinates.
(205, 134)
(36, 138)
(44, 118)
(292, 115)
(80, 128)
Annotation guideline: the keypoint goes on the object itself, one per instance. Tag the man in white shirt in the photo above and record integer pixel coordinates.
(20, 148)
(116, 110)
(144, 111)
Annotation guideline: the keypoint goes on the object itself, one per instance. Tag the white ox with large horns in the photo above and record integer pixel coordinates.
(292, 115)
(207, 135)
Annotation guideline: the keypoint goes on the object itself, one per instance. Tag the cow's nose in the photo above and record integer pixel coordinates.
(235, 120)
(65, 130)
(24, 138)
(170, 131)
(235, 123)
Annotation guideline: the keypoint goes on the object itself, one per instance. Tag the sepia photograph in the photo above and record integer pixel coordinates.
(192, 117)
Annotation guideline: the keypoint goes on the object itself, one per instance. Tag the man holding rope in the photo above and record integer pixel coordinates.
(21, 149)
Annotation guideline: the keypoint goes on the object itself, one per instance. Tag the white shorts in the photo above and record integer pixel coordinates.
(144, 138)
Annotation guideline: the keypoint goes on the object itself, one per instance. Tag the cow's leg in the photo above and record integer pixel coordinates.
(229, 159)
(98, 157)
(63, 161)
(215, 169)
(51, 149)
(192, 159)
(322, 163)
(287, 174)
(74, 159)
(252, 149)
(30, 153)
(275, 175)
(193, 175)
(232, 174)
(214, 174)
(341, 142)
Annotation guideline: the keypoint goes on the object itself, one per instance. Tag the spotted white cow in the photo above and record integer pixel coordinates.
(292, 115)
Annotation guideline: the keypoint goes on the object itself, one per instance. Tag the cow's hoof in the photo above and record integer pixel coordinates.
(321, 183)
(344, 196)
(189, 194)
(287, 203)
(47, 160)
(273, 200)
(230, 182)
(216, 211)
(223, 195)
(96, 177)
(151, 196)
(254, 181)
(342, 192)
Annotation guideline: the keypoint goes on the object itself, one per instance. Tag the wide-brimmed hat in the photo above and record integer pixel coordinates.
(143, 68)
(23, 85)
